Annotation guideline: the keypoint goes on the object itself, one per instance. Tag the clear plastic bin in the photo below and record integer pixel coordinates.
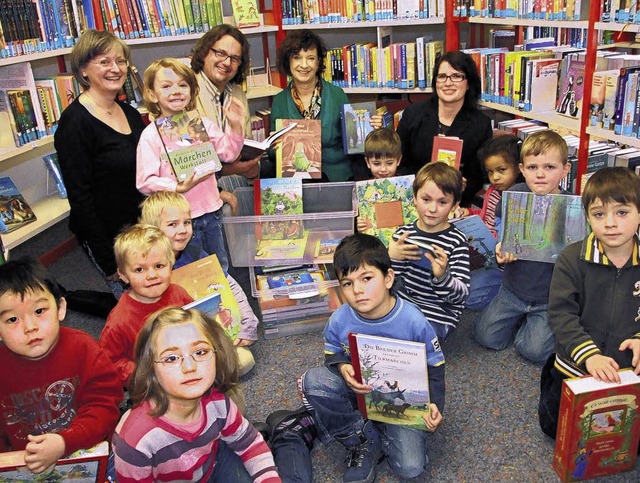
(329, 212)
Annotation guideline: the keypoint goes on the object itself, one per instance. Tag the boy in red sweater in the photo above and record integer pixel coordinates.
(59, 391)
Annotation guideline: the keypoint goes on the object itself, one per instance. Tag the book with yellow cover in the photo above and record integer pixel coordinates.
(246, 13)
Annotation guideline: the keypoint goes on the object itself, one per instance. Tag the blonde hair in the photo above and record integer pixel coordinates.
(542, 141)
(140, 239)
(151, 207)
(144, 382)
(182, 70)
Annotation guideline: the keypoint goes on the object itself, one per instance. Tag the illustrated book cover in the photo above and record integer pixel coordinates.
(14, 210)
(482, 244)
(252, 148)
(278, 197)
(326, 249)
(539, 227)
(447, 149)
(397, 372)
(572, 90)
(208, 305)
(187, 145)
(205, 277)
(598, 427)
(85, 465)
(385, 204)
(356, 125)
(246, 13)
(284, 251)
(299, 155)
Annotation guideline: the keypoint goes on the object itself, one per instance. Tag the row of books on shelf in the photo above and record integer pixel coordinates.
(295, 12)
(529, 9)
(405, 65)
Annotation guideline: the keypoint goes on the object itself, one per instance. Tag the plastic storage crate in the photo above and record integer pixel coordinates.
(329, 212)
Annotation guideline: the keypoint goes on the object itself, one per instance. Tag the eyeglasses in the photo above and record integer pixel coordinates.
(221, 55)
(175, 360)
(106, 63)
(455, 77)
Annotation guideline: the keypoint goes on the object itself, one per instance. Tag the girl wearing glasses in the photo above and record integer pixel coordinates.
(183, 426)
(451, 111)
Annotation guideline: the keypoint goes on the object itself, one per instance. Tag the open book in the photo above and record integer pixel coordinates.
(253, 148)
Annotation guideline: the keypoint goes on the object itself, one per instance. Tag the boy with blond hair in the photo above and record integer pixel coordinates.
(145, 260)
(594, 301)
(518, 313)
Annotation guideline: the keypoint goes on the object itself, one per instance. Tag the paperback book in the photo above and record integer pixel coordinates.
(539, 227)
(356, 125)
(385, 204)
(205, 277)
(572, 90)
(246, 13)
(15, 212)
(187, 145)
(252, 148)
(208, 305)
(397, 372)
(598, 427)
(284, 251)
(482, 244)
(326, 249)
(278, 197)
(447, 149)
(299, 155)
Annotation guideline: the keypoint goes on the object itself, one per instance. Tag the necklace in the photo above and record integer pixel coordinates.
(109, 112)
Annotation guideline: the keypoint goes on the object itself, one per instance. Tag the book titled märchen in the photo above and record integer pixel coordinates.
(598, 427)
(396, 370)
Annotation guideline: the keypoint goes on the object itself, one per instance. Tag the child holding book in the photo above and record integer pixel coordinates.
(183, 425)
(145, 259)
(436, 280)
(518, 312)
(171, 213)
(363, 267)
(172, 88)
(594, 297)
(59, 392)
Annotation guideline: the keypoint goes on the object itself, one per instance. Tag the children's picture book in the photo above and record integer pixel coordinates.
(482, 244)
(572, 90)
(84, 465)
(289, 249)
(246, 13)
(424, 247)
(299, 155)
(208, 305)
(598, 427)
(326, 249)
(14, 210)
(447, 149)
(205, 277)
(386, 204)
(356, 125)
(187, 145)
(277, 197)
(252, 148)
(539, 227)
(397, 372)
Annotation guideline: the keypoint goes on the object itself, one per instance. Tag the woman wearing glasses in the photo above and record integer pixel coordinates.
(452, 111)
(302, 56)
(96, 143)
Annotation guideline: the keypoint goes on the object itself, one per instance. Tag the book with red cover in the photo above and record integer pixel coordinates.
(598, 427)
(447, 149)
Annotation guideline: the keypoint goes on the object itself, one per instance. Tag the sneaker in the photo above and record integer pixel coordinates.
(299, 422)
(363, 457)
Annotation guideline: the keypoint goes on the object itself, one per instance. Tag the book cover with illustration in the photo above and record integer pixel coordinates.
(539, 227)
(246, 13)
(208, 305)
(278, 197)
(299, 155)
(285, 251)
(356, 125)
(14, 210)
(325, 250)
(448, 150)
(598, 427)
(187, 145)
(84, 465)
(204, 277)
(397, 372)
(482, 244)
(572, 90)
(385, 204)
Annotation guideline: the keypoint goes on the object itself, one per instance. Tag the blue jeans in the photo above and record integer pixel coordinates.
(207, 229)
(292, 458)
(228, 467)
(336, 415)
(509, 319)
(485, 284)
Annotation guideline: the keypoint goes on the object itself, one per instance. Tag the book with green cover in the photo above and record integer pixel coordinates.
(246, 13)
(356, 125)
(277, 197)
(299, 155)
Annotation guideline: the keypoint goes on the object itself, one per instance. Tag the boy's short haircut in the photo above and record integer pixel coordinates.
(448, 179)
(612, 185)
(140, 239)
(152, 206)
(27, 275)
(354, 251)
(541, 141)
(382, 143)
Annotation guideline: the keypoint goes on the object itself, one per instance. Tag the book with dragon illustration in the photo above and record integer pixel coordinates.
(299, 154)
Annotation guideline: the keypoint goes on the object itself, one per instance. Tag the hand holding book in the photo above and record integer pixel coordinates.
(348, 373)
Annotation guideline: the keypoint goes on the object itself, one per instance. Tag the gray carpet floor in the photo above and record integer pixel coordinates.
(490, 430)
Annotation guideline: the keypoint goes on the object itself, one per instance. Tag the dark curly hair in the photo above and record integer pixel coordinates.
(202, 47)
(296, 41)
(462, 63)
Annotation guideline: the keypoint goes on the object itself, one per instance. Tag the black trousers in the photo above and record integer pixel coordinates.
(550, 393)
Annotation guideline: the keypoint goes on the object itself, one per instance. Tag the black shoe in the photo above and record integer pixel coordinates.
(98, 304)
(299, 422)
